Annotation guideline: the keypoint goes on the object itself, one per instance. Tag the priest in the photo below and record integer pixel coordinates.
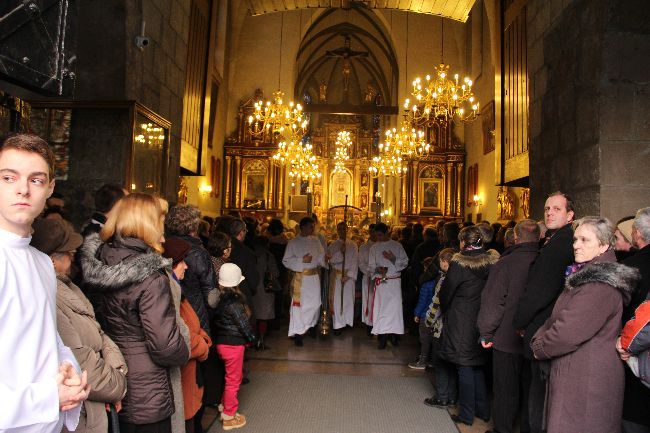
(303, 256)
(342, 255)
(366, 284)
(386, 260)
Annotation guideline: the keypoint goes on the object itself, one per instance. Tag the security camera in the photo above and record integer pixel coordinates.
(141, 42)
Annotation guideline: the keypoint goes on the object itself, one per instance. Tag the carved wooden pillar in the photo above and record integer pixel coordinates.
(355, 200)
(459, 187)
(448, 189)
(281, 176)
(404, 193)
(271, 185)
(228, 175)
(414, 187)
(238, 182)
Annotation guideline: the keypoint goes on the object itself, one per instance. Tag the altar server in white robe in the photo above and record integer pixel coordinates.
(366, 286)
(344, 274)
(387, 259)
(304, 255)
(41, 385)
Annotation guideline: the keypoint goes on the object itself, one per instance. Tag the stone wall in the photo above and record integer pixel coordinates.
(589, 82)
(112, 68)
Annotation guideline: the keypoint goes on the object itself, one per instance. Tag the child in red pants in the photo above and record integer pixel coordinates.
(233, 331)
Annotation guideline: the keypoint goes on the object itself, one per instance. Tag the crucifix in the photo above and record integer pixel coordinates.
(346, 54)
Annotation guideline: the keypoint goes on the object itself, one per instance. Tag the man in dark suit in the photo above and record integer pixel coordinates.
(544, 285)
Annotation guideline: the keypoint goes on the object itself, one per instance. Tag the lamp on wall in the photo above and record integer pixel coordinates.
(205, 189)
(476, 200)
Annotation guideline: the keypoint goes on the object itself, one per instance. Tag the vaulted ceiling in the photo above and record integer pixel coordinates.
(454, 9)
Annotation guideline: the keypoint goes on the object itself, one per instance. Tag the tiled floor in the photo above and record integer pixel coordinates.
(352, 353)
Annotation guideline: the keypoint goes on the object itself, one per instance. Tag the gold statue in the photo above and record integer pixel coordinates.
(506, 204)
(322, 92)
(369, 97)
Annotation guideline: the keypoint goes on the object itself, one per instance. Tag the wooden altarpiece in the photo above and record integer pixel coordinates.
(252, 184)
(433, 185)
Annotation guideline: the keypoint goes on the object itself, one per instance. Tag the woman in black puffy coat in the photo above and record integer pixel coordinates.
(460, 302)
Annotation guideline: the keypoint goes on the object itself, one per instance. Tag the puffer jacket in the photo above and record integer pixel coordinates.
(199, 279)
(232, 324)
(460, 302)
(139, 315)
(95, 352)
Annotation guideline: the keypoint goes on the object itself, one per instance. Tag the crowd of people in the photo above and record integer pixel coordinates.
(144, 317)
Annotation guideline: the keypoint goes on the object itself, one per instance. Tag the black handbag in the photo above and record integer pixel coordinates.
(113, 419)
(271, 284)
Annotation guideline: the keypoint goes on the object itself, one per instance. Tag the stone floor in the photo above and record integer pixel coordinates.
(352, 353)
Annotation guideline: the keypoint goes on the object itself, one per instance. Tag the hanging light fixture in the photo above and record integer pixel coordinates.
(342, 154)
(276, 116)
(304, 164)
(439, 98)
(407, 141)
(389, 162)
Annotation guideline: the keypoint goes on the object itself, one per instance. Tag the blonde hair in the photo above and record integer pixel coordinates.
(140, 216)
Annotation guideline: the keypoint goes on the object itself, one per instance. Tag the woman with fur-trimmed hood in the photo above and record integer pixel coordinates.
(586, 381)
(130, 277)
(460, 302)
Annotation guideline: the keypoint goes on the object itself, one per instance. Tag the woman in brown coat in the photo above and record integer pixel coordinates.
(79, 330)
(586, 379)
(138, 308)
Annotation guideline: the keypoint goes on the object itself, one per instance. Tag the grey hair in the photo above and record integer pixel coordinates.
(236, 226)
(642, 223)
(603, 228)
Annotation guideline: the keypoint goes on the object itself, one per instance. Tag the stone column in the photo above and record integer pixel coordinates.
(228, 176)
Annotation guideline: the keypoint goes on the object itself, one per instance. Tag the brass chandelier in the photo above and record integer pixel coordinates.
(442, 99)
(407, 141)
(304, 165)
(342, 154)
(275, 116)
(439, 98)
(389, 162)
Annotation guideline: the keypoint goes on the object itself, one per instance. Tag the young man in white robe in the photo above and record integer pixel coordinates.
(304, 255)
(343, 277)
(387, 259)
(41, 385)
(366, 286)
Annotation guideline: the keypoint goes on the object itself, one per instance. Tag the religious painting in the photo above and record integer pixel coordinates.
(489, 126)
(430, 194)
(216, 176)
(364, 201)
(364, 179)
(340, 186)
(254, 194)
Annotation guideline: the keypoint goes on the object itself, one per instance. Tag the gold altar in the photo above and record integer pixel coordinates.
(430, 190)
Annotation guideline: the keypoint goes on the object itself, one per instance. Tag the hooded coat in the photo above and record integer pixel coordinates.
(586, 381)
(460, 302)
(95, 352)
(140, 318)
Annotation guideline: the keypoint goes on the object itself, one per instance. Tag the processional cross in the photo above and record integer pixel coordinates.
(346, 53)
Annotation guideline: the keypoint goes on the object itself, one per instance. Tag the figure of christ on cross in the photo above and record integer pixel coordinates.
(346, 54)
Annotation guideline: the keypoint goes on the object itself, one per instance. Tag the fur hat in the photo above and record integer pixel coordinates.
(54, 236)
(626, 228)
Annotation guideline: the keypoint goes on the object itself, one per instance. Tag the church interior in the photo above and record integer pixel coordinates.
(157, 95)
(398, 111)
